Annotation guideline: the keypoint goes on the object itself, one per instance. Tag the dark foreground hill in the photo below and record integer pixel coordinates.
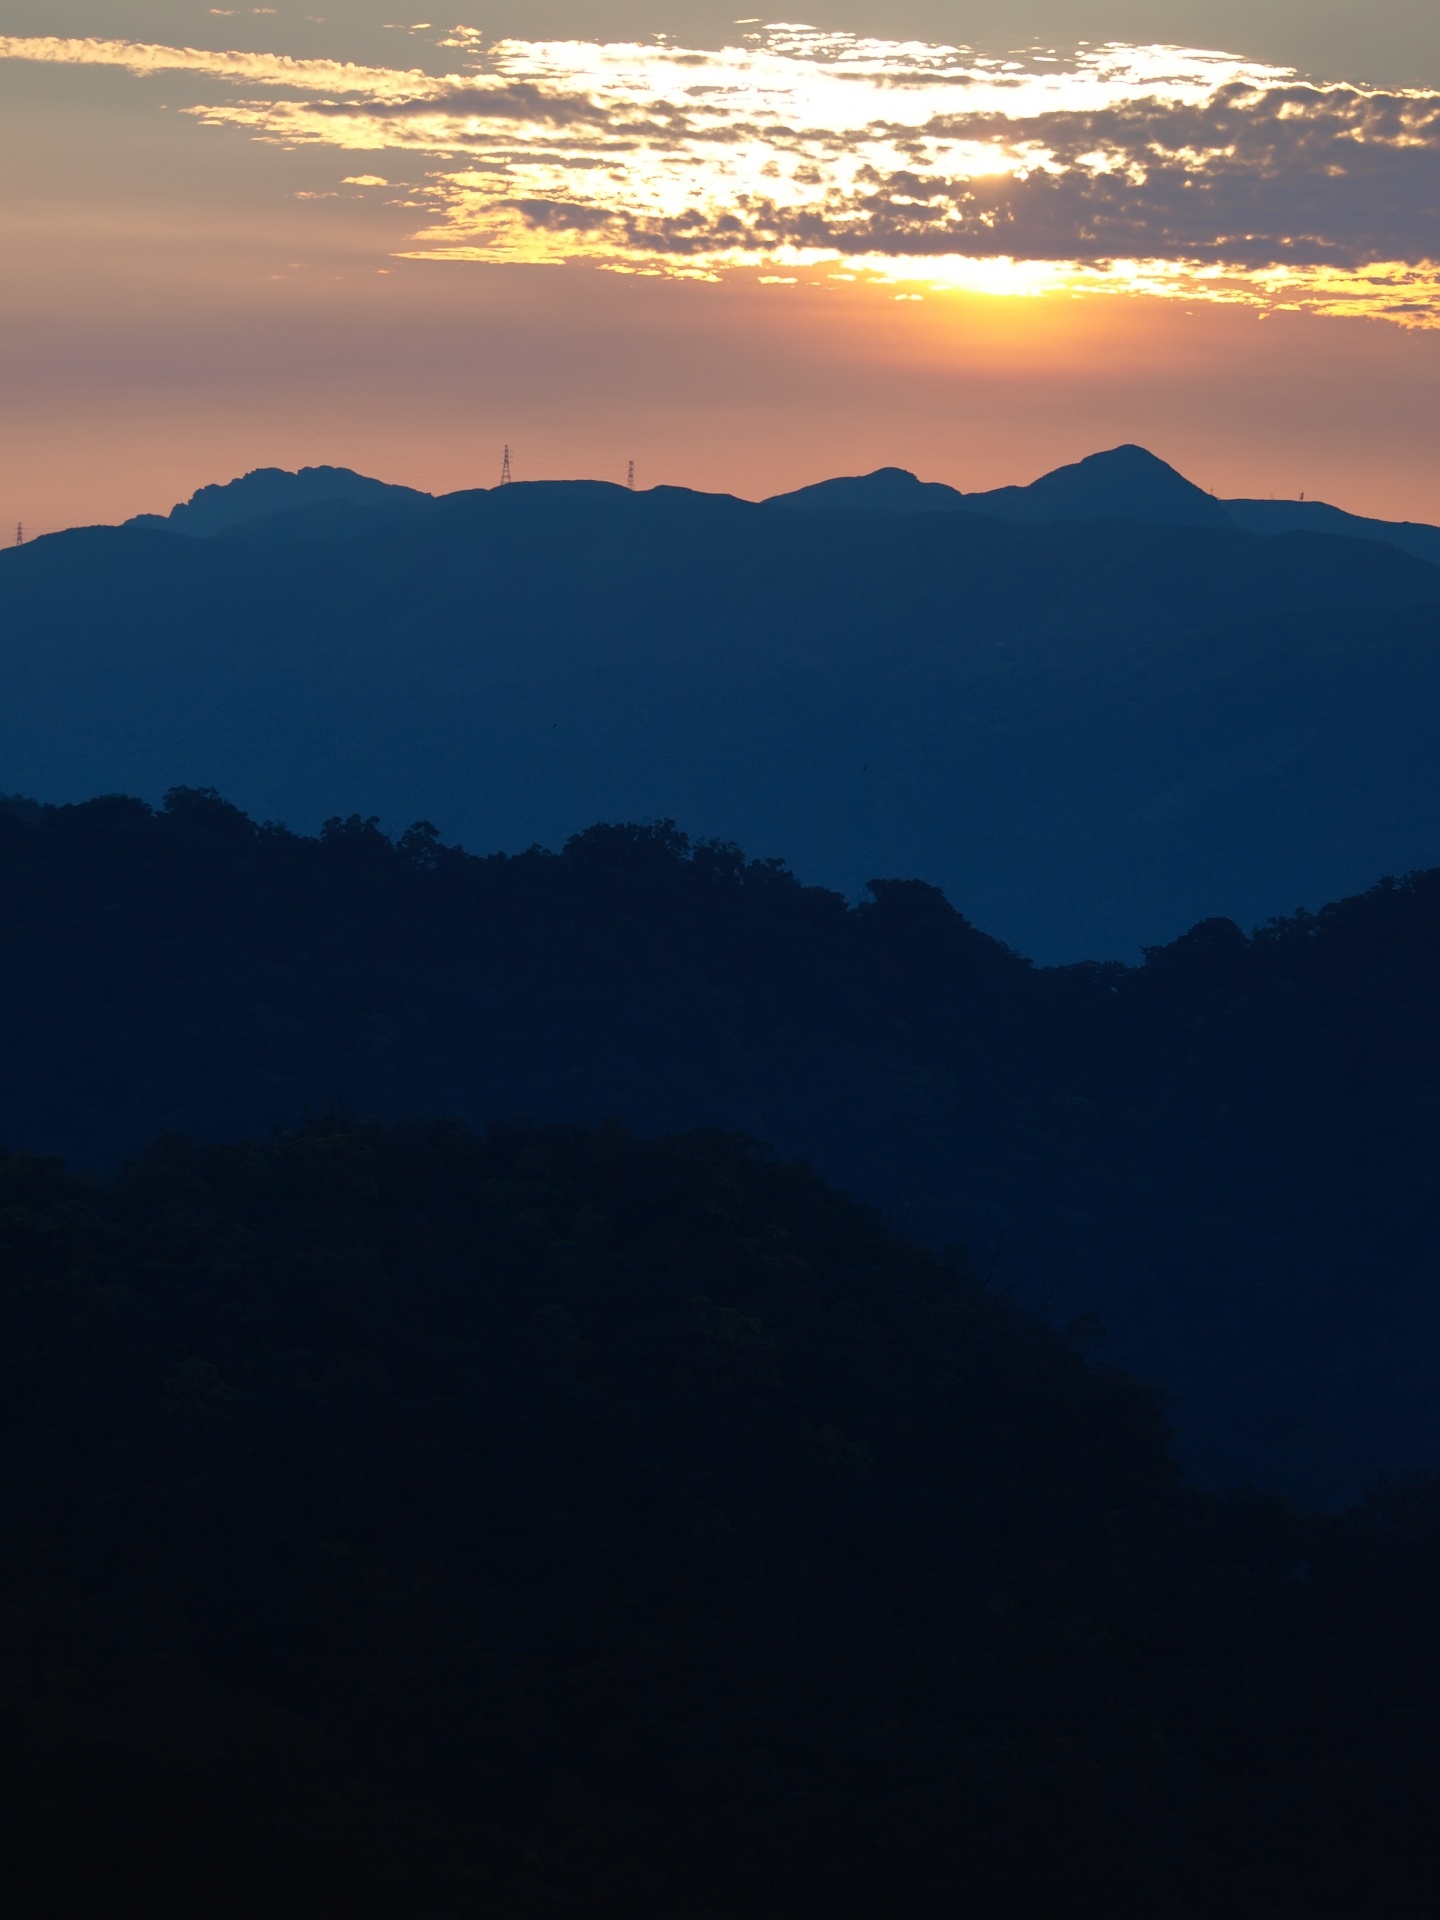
(400, 1524)
(1091, 734)
(1228, 1154)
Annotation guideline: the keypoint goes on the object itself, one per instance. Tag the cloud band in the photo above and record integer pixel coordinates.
(1153, 168)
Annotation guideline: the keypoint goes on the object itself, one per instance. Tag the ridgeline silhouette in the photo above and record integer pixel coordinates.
(1091, 730)
(271, 490)
(1226, 1155)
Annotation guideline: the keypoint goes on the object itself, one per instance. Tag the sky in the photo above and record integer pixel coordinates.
(973, 240)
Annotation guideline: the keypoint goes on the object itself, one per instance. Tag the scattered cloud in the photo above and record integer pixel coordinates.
(1159, 169)
(313, 79)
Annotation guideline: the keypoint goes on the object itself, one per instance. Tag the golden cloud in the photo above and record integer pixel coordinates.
(1154, 169)
(264, 69)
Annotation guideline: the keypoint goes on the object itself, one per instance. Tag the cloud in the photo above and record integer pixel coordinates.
(1163, 169)
(309, 77)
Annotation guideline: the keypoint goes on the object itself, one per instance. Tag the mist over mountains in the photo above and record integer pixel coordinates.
(1221, 1163)
(1090, 731)
(457, 1460)
(1090, 715)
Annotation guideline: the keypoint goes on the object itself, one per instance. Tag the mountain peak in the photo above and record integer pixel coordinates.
(886, 490)
(1122, 483)
(267, 490)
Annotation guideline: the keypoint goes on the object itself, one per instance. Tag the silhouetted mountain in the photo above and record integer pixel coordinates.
(330, 522)
(1313, 516)
(887, 490)
(1090, 734)
(402, 1524)
(271, 490)
(1127, 483)
(1226, 1154)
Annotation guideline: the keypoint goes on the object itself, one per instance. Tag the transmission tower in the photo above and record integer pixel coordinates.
(19, 534)
(630, 482)
(505, 469)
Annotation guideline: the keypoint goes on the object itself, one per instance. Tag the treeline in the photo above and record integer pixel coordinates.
(1225, 1157)
(400, 1522)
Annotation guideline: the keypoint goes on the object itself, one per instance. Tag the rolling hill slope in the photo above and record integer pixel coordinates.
(1227, 1155)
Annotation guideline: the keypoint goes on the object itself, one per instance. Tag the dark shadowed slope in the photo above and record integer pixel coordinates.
(1090, 735)
(400, 1524)
(1227, 1154)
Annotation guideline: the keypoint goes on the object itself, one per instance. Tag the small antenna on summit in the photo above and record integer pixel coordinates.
(505, 475)
(630, 479)
(19, 534)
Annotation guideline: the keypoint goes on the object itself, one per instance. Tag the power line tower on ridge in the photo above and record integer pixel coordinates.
(19, 533)
(630, 480)
(505, 475)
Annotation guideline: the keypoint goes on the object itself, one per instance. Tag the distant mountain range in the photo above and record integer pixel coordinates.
(1094, 710)
(1126, 483)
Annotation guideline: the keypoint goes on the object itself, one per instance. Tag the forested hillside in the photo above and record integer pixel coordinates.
(1226, 1155)
(398, 1523)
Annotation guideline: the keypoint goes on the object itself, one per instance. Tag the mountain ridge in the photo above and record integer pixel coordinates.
(1090, 734)
(1223, 1156)
(1115, 484)
(1125, 482)
(264, 491)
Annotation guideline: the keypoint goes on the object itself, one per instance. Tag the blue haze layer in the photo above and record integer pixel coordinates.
(1094, 710)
